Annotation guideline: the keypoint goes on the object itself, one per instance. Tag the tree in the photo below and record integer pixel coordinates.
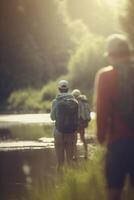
(85, 63)
(126, 20)
(35, 44)
(97, 15)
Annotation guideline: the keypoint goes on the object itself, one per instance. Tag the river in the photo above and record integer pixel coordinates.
(27, 155)
(24, 159)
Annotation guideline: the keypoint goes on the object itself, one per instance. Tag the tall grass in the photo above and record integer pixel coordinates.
(85, 181)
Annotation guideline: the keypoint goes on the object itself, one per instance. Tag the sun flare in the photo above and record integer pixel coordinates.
(113, 3)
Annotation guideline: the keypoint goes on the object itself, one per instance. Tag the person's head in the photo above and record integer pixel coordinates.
(83, 97)
(63, 86)
(118, 49)
(76, 93)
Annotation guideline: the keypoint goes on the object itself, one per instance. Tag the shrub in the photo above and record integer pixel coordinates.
(23, 100)
(31, 100)
(49, 91)
(85, 63)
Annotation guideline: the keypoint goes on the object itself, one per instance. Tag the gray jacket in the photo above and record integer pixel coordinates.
(84, 110)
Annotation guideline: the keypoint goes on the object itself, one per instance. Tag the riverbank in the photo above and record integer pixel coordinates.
(84, 181)
(28, 138)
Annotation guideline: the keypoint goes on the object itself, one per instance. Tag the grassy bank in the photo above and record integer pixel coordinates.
(85, 181)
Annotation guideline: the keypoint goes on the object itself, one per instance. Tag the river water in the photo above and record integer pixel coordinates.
(24, 160)
(27, 155)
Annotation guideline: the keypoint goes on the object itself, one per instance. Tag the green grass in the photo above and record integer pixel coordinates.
(92, 127)
(85, 181)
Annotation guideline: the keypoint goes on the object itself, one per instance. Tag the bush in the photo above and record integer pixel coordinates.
(25, 100)
(49, 91)
(82, 69)
(31, 100)
(85, 63)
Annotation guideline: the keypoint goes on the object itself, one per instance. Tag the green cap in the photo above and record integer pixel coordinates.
(63, 84)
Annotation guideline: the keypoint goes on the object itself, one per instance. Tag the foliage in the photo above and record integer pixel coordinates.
(25, 100)
(126, 19)
(85, 63)
(40, 39)
(31, 100)
(82, 68)
(49, 91)
(35, 44)
(95, 14)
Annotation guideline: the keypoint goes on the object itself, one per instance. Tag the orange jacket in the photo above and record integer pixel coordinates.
(110, 126)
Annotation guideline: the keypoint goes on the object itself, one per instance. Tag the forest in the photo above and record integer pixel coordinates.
(47, 40)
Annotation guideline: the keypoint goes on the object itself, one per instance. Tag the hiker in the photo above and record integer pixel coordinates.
(65, 114)
(115, 114)
(84, 119)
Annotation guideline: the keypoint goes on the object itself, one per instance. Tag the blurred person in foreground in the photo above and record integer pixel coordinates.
(84, 118)
(115, 114)
(65, 114)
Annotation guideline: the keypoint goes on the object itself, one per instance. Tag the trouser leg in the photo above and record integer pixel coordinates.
(82, 137)
(70, 147)
(59, 148)
(114, 194)
(75, 148)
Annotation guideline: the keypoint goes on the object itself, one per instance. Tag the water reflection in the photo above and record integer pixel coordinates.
(5, 134)
(20, 170)
(25, 160)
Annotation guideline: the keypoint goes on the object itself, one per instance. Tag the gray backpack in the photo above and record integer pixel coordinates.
(85, 113)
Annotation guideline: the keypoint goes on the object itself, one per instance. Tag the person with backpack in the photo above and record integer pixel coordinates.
(84, 118)
(115, 114)
(65, 114)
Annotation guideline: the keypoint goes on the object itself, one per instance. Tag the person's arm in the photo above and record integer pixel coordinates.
(88, 111)
(102, 101)
(79, 110)
(53, 111)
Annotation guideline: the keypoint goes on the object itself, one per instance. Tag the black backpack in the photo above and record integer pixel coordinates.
(67, 115)
(126, 99)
